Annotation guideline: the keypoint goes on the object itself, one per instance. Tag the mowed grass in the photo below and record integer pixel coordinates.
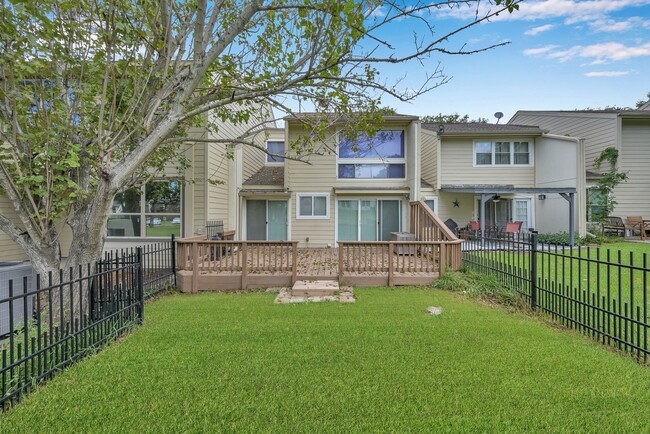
(239, 363)
(569, 272)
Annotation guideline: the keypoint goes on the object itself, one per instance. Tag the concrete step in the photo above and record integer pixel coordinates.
(314, 288)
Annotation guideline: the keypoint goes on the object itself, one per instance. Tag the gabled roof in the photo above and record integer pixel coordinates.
(644, 111)
(267, 175)
(477, 128)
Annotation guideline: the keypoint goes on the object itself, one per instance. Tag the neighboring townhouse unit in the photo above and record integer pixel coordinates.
(360, 190)
(626, 130)
(506, 172)
(344, 190)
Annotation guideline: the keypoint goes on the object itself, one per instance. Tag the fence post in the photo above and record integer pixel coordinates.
(533, 270)
(173, 259)
(140, 284)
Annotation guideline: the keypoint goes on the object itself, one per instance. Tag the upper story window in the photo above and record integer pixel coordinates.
(378, 157)
(502, 153)
(151, 211)
(275, 148)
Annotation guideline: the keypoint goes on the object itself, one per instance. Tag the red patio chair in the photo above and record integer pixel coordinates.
(513, 227)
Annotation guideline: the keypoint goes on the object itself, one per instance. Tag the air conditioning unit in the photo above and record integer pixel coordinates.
(23, 278)
(402, 249)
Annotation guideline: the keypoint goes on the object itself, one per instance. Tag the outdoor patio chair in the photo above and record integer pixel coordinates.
(634, 224)
(513, 228)
(475, 226)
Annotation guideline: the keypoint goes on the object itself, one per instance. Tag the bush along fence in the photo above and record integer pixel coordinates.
(47, 323)
(602, 293)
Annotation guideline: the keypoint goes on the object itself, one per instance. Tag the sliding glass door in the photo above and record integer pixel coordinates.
(368, 220)
(266, 220)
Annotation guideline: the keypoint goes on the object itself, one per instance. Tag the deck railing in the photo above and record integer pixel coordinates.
(427, 226)
(237, 257)
(394, 257)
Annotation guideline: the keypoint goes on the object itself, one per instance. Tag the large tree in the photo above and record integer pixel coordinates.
(98, 95)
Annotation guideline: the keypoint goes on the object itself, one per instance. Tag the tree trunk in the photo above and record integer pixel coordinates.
(66, 306)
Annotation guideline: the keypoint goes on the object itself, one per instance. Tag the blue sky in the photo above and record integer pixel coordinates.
(563, 55)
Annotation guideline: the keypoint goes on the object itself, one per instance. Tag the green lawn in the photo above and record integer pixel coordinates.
(239, 363)
(568, 271)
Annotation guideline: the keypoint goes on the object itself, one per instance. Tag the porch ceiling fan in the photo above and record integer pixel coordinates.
(496, 198)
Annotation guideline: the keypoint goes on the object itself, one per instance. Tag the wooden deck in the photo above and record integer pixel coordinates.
(205, 265)
(272, 266)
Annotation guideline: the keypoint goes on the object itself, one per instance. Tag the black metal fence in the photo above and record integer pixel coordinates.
(602, 293)
(64, 316)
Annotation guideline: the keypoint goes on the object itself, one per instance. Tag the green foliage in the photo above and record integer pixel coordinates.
(641, 102)
(100, 96)
(478, 285)
(606, 185)
(453, 118)
(562, 239)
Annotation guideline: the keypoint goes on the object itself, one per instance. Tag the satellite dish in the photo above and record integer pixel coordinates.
(498, 115)
(441, 129)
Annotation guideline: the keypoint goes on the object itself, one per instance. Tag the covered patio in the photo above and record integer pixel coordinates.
(492, 192)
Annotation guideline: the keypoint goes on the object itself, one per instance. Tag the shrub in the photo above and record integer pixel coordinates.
(562, 239)
(480, 286)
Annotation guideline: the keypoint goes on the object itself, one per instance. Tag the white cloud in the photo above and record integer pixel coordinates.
(610, 25)
(539, 51)
(606, 73)
(572, 11)
(597, 53)
(539, 29)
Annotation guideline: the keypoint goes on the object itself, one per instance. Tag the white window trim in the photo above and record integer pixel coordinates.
(313, 217)
(266, 157)
(373, 160)
(512, 153)
(531, 210)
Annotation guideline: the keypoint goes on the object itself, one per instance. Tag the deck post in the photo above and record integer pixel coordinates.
(390, 264)
(294, 269)
(195, 267)
(340, 261)
(244, 267)
(443, 259)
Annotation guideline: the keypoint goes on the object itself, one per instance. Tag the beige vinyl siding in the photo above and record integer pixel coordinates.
(457, 167)
(199, 188)
(218, 200)
(462, 214)
(321, 170)
(429, 156)
(321, 176)
(253, 159)
(10, 250)
(320, 232)
(633, 196)
(598, 129)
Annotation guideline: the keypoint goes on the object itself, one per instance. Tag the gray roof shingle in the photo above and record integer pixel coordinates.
(267, 175)
(481, 128)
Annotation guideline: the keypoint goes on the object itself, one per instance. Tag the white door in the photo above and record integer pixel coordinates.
(522, 213)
